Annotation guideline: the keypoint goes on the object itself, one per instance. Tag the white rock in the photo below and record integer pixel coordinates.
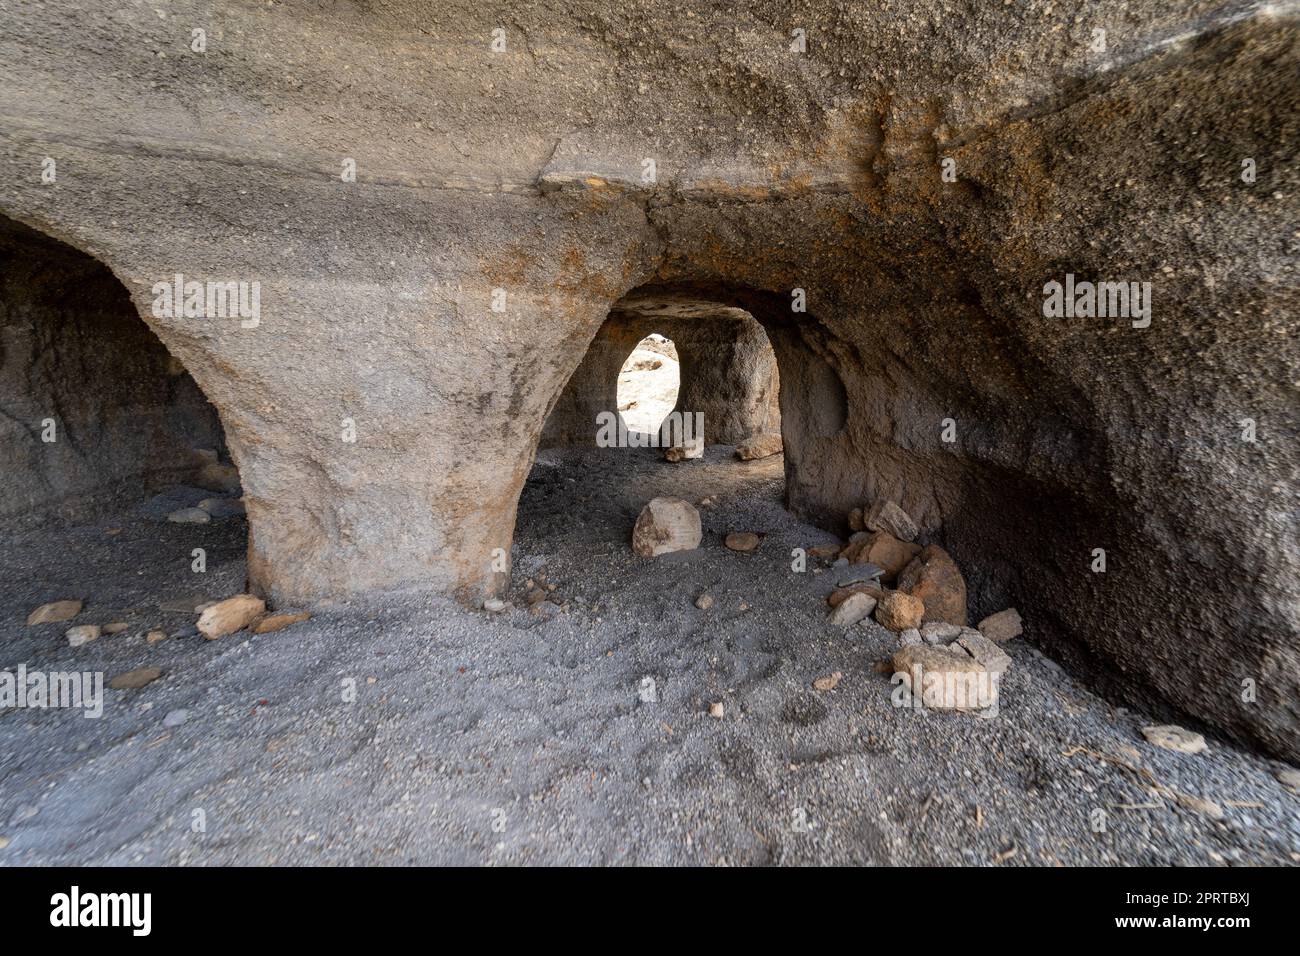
(190, 516)
(1173, 737)
(664, 525)
(82, 634)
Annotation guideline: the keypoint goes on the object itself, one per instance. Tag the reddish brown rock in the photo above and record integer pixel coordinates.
(884, 550)
(277, 622)
(934, 577)
(900, 611)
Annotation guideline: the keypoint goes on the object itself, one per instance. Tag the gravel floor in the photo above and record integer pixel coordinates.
(511, 739)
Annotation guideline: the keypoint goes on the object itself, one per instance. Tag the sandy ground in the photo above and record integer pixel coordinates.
(510, 739)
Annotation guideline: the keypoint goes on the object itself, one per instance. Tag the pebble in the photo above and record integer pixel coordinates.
(704, 602)
(494, 605)
(135, 679)
(1177, 739)
(175, 718)
(54, 612)
(82, 634)
(189, 516)
(742, 541)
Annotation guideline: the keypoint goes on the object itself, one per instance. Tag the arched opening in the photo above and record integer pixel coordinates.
(648, 384)
(114, 457)
(583, 492)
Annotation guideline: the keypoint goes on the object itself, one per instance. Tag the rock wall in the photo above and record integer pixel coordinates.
(440, 227)
(93, 411)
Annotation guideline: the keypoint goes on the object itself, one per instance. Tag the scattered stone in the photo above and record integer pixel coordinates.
(1204, 807)
(884, 550)
(494, 605)
(117, 627)
(219, 477)
(546, 610)
(704, 602)
(706, 502)
(664, 525)
(685, 451)
(937, 632)
(824, 552)
(948, 679)
(1003, 626)
(828, 682)
(175, 718)
(535, 596)
(220, 508)
(868, 574)
(82, 634)
(4, 842)
(759, 446)
(1173, 737)
(900, 611)
(189, 516)
(890, 518)
(742, 541)
(855, 520)
(1289, 777)
(278, 622)
(840, 563)
(717, 710)
(228, 616)
(840, 595)
(985, 651)
(852, 609)
(54, 612)
(134, 680)
(910, 636)
(155, 637)
(934, 577)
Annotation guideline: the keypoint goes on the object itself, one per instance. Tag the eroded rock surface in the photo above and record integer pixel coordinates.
(885, 204)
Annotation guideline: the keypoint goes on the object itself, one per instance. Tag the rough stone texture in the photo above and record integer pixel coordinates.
(900, 611)
(1002, 626)
(992, 657)
(887, 517)
(882, 549)
(818, 171)
(934, 577)
(944, 678)
(664, 525)
(73, 351)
